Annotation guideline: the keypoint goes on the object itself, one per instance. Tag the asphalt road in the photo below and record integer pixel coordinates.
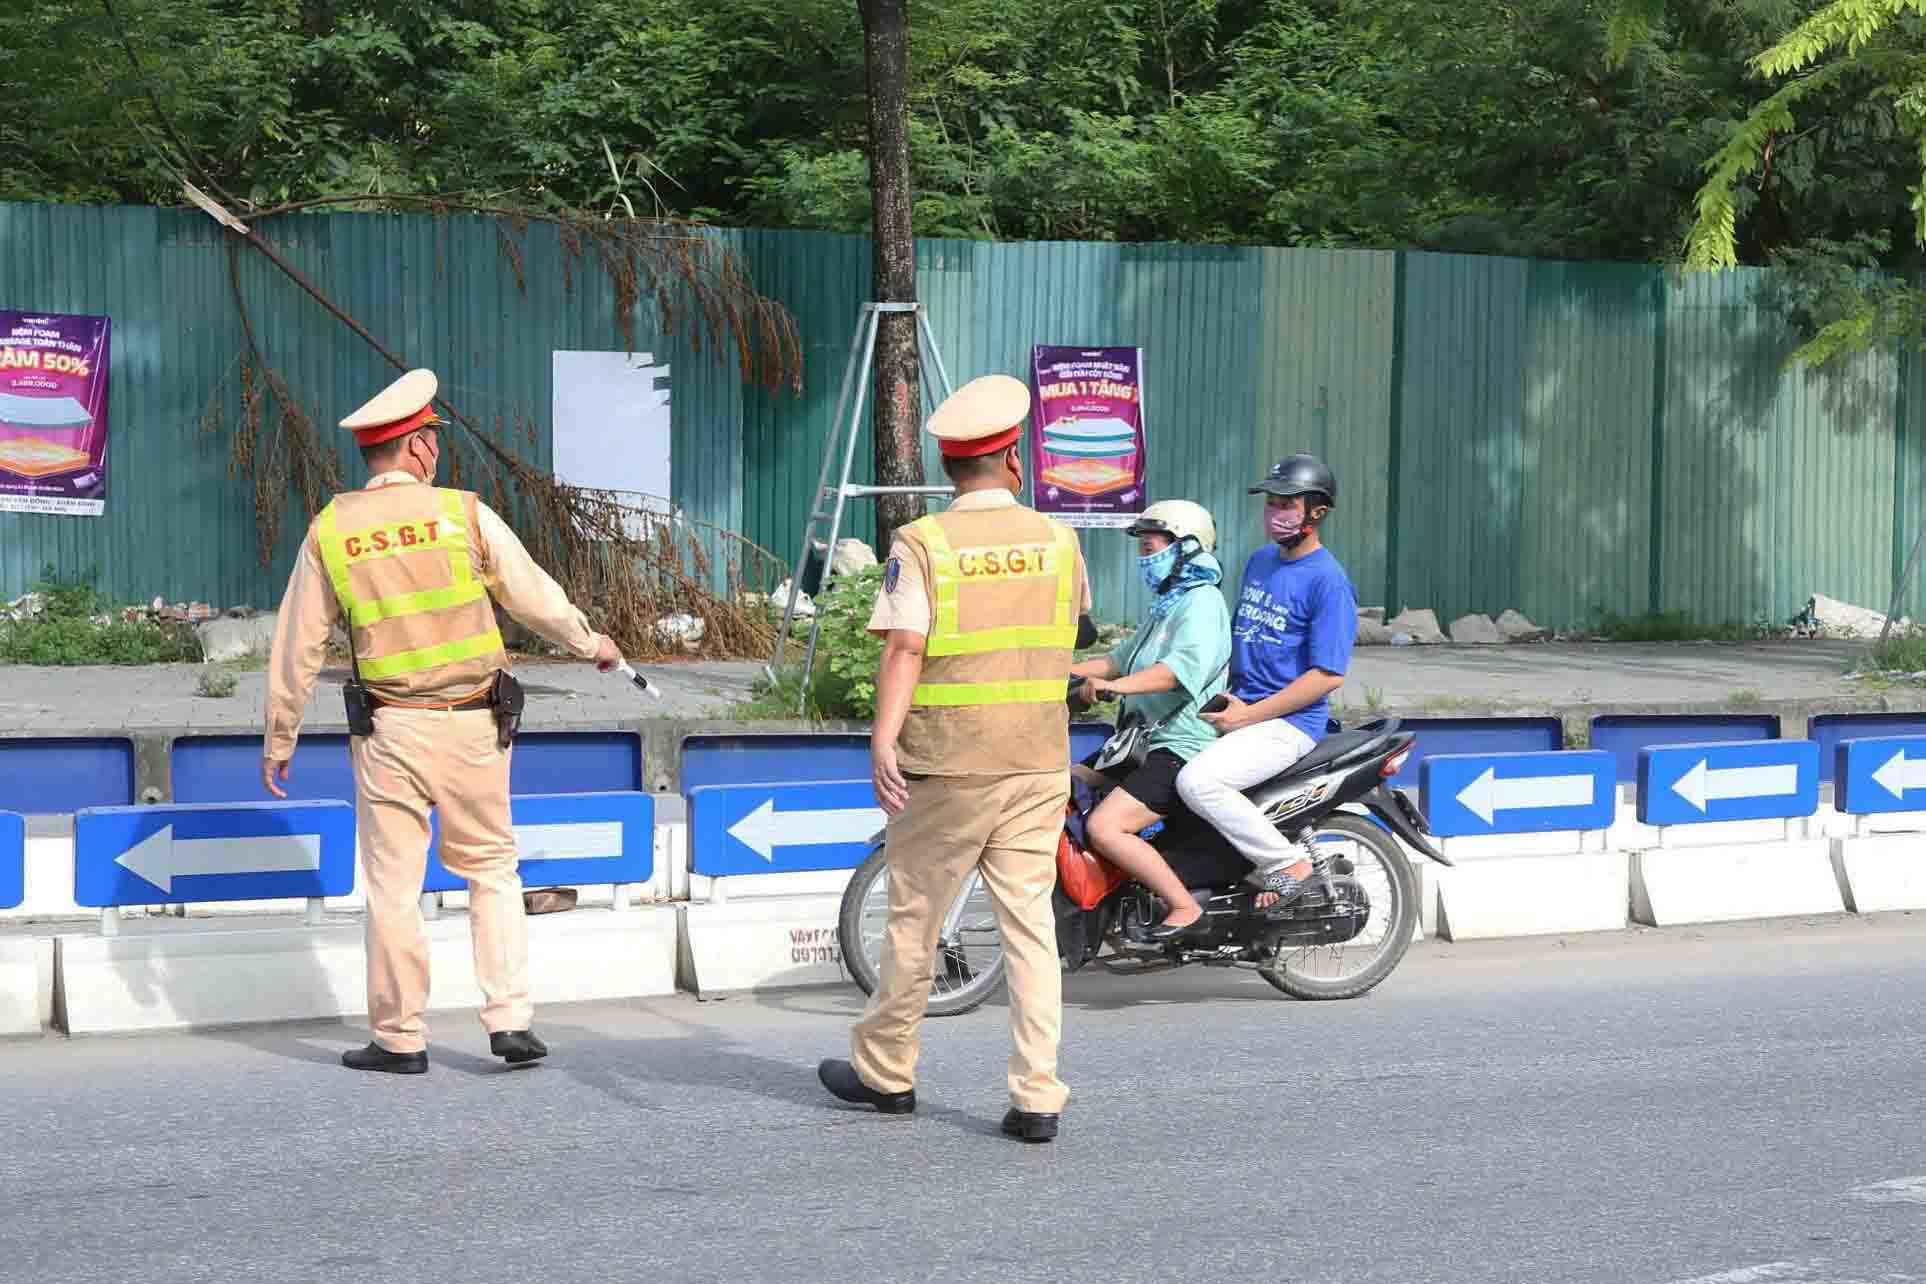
(1735, 1105)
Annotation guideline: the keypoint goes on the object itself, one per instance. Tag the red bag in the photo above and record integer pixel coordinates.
(1085, 877)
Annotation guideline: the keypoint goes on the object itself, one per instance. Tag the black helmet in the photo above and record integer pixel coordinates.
(1299, 475)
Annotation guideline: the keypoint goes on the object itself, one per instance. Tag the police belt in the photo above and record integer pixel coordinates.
(486, 700)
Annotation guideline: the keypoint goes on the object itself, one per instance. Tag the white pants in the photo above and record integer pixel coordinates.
(1212, 785)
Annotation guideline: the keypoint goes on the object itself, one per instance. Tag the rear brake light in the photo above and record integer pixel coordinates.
(1395, 763)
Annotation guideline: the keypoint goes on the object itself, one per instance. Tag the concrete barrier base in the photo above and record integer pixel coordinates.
(200, 976)
(1533, 895)
(1715, 884)
(26, 985)
(1881, 872)
(760, 943)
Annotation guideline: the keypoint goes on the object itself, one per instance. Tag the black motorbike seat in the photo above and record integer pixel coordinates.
(1334, 748)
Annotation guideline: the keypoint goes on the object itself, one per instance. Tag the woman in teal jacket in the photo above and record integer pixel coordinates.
(1172, 665)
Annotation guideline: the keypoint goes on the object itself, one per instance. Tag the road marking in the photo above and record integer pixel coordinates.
(1750, 1274)
(1901, 1190)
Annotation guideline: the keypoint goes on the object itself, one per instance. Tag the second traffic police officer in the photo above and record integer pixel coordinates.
(971, 752)
(410, 568)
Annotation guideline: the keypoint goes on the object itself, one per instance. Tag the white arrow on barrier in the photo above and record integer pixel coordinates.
(1900, 773)
(1486, 796)
(160, 859)
(578, 840)
(1701, 785)
(763, 830)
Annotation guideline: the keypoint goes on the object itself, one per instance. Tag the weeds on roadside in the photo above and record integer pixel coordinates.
(1676, 626)
(76, 626)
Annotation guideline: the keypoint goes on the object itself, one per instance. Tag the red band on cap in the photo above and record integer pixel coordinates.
(980, 445)
(388, 432)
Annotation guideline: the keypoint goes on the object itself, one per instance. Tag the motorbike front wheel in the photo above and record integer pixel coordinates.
(969, 949)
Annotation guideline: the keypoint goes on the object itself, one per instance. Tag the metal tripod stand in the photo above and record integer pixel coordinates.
(829, 502)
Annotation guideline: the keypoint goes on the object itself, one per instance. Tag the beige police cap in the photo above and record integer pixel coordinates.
(985, 415)
(401, 407)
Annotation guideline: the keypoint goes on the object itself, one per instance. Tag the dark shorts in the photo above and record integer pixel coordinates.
(1154, 784)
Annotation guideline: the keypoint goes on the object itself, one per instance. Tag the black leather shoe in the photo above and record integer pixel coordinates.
(1164, 932)
(1028, 1126)
(843, 1082)
(517, 1046)
(376, 1057)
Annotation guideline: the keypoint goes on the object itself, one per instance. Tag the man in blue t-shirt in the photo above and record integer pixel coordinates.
(1296, 618)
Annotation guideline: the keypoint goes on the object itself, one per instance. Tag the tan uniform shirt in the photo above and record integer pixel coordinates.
(310, 611)
(904, 602)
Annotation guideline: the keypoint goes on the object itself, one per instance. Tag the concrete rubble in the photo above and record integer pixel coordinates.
(1836, 619)
(1475, 630)
(852, 556)
(1421, 626)
(1517, 627)
(236, 637)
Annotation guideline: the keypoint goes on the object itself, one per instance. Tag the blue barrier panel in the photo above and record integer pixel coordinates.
(802, 757)
(1518, 793)
(1712, 781)
(39, 776)
(1880, 773)
(227, 769)
(177, 855)
(1472, 735)
(1829, 730)
(781, 828)
(569, 840)
(13, 859)
(1623, 735)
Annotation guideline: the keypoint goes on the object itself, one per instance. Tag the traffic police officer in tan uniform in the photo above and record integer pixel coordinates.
(971, 752)
(410, 568)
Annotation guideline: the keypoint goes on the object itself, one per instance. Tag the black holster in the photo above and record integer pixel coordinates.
(360, 703)
(505, 698)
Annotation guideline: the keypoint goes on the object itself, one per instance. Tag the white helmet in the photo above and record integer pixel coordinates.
(1176, 518)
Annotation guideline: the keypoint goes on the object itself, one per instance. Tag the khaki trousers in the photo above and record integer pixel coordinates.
(1006, 827)
(417, 759)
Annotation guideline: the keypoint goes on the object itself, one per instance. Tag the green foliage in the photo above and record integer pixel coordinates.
(848, 658)
(1708, 131)
(854, 654)
(1818, 159)
(1673, 626)
(75, 627)
(1904, 652)
(217, 682)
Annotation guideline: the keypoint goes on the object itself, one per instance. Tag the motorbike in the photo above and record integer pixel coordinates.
(1341, 935)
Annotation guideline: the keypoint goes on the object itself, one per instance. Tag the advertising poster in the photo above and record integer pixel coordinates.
(1087, 442)
(53, 413)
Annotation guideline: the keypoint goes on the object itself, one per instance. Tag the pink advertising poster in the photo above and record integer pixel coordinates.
(1087, 437)
(53, 413)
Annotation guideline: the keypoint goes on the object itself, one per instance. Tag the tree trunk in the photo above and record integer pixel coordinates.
(898, 386)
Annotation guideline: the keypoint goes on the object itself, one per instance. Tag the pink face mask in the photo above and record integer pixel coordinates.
(1283, 524)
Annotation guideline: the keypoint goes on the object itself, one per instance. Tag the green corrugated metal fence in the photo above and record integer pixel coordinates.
(438, 292)
(1555, 437)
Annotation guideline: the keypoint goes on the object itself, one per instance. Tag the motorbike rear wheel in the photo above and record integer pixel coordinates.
(1319, 972)
(969, 954)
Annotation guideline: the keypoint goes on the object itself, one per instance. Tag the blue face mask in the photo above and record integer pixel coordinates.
(1157, 567)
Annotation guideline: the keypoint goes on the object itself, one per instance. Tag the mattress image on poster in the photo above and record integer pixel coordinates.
(36, 457)
(38, 435)
(61, 414)
(1091, 438)
(53, 413)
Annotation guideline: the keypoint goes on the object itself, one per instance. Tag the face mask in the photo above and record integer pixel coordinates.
(1283, 525)
(1157, 567)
